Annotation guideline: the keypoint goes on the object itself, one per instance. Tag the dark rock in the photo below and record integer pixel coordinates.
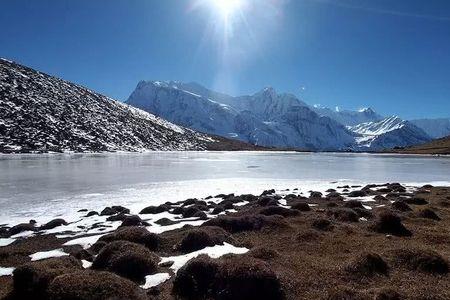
(177, 211)
(127, 259)
(334, 196)
(367, 265)
(133, 234)
(84, 254)
(389, 223)
(32, 279)
(82, 210)
(87, 285)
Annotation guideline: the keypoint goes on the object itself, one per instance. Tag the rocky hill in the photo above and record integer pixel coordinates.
(41, 113)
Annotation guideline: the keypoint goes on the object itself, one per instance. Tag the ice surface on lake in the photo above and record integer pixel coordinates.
(47, 254)
(213, 252)
(155, 279)
(43, 187)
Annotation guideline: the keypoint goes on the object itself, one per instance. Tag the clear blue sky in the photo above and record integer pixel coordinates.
(391, 55)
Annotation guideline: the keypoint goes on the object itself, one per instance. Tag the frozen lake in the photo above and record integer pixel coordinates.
(44, 186)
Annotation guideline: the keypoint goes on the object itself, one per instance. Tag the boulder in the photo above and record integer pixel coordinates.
(155, 209)
(109, 211)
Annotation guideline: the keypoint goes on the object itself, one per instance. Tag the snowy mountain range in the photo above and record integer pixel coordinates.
(40, 113)
(274, 120)
(265, 118)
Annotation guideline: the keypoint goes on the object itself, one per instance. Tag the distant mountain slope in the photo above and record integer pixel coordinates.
(348, 117)
(436, 128)
(265, 118)
(438, 146)
(43, 113)
(388, 133)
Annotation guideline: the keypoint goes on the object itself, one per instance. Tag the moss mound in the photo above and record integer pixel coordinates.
(129, 260)
(91, 285)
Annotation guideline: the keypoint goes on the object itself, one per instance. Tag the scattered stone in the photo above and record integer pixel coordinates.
(130, 260)
(87, 285)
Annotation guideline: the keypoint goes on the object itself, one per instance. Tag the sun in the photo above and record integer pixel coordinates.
(227, 8)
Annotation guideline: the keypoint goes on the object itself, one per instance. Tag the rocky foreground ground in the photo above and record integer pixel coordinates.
(374, 242)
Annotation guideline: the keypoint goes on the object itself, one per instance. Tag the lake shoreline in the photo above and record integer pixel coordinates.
(277, 233)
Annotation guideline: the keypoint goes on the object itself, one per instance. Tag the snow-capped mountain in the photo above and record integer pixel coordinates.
(349, 117)
(271, 119)
(388, 133)
(265, 118)
(436, 128)
(42, 113)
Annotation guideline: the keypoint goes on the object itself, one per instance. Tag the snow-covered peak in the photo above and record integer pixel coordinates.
(377, 128)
